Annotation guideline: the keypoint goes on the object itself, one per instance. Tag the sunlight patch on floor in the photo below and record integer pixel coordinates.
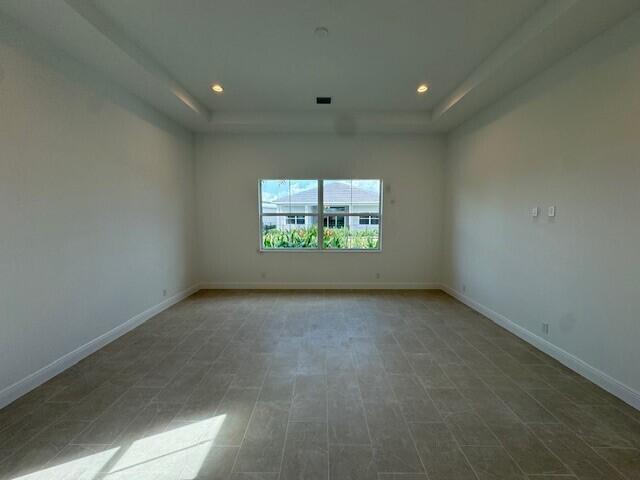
(180, 452)
(85, 468)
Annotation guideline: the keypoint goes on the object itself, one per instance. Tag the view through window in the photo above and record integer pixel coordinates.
(349, 211)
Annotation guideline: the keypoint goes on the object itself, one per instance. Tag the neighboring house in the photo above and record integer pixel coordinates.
(338, 198)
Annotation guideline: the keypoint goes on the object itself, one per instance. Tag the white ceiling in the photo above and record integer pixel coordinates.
(272, 65)
(266, 55)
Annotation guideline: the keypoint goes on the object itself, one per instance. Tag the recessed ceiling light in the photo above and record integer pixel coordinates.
(422, 88)
(217, 88)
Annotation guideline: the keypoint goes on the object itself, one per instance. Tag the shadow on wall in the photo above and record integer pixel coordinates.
(36, 48)
(621, 38)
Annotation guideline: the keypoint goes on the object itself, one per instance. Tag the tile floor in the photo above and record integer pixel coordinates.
(319, 385)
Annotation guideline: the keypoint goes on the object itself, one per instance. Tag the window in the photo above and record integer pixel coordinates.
(369, 220)
(333, 221)
(348, 211)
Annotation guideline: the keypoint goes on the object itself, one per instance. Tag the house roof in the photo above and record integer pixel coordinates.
(335, 192)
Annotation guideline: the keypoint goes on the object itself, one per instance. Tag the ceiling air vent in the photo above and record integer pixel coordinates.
(323, 100)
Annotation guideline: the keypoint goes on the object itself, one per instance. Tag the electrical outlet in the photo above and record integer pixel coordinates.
(545, 328)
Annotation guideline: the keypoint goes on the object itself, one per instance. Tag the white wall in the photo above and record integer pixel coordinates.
(228, 168)
(97, 212)
(570, 138)
(98, 202)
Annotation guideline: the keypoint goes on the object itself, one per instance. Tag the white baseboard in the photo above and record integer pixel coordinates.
(21, 387)
(610, 384)
(319, 286)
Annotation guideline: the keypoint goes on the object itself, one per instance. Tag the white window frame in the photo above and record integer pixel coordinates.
(320, 216)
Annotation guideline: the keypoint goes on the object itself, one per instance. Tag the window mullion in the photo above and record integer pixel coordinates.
(320, 214)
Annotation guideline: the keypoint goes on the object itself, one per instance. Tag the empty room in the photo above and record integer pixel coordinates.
(319, 240)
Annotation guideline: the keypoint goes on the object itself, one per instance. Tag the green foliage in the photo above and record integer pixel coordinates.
(294, 238)
(338, 238)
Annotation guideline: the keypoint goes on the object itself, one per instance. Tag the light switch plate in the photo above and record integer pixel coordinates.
(552, 211)
(535, 211)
